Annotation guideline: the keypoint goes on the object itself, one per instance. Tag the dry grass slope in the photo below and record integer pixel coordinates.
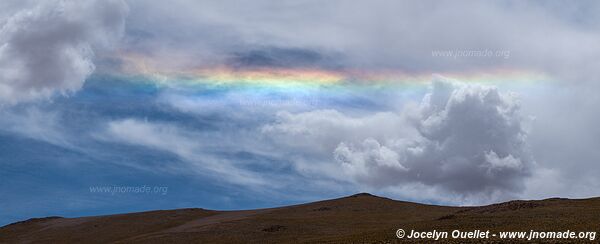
(361, 218)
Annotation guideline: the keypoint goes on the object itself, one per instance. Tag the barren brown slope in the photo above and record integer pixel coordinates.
(359, 218)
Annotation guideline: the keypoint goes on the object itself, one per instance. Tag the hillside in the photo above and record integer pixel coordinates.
(360, 218)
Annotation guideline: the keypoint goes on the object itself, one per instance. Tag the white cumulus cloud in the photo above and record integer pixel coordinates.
(461, 140)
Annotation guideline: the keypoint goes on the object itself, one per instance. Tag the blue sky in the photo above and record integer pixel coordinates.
(240, 105)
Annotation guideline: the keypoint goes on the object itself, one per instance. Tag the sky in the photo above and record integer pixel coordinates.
(117, 106)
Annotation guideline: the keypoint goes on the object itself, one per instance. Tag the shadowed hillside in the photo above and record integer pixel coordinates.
(361, 218)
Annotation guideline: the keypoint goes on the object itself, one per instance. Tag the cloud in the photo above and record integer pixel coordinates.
(186, 144)
(321, 130)
(282, 57)
(35, 123)
(49, 47)
(367, 159)
(564, 137)
(465, 140)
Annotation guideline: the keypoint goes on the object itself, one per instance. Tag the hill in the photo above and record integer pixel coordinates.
(360, 218)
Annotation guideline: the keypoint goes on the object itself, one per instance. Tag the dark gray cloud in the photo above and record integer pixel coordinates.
(49, 47)
(471, 141)
(283, 57)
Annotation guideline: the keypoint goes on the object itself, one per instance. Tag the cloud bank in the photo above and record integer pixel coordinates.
(552, 37)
